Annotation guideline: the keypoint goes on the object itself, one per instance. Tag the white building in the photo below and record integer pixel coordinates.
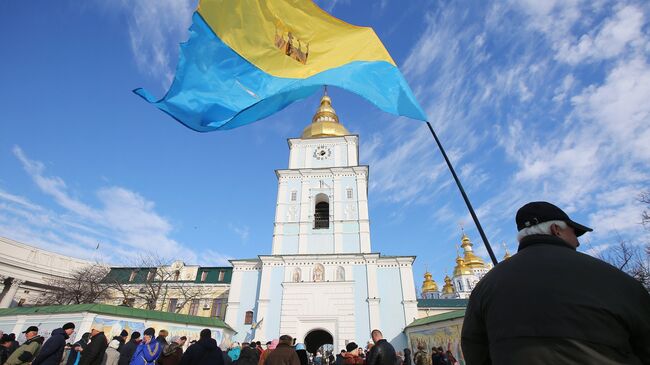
(322, 282)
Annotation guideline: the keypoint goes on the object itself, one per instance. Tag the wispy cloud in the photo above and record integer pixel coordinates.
(156, 27)
(123, 223)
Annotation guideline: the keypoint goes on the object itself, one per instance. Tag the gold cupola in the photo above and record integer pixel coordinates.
(325, 122)
(461, 268)
(448, 288)
(429, 285)
(470, 259)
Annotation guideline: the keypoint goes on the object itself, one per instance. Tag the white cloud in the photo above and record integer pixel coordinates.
(156, 27)
(124, 223)
(243, 231)
(617, 32)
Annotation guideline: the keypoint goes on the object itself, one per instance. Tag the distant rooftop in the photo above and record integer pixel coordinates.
(138, 275)
(438, 318)
(442, 303)
(116, 310)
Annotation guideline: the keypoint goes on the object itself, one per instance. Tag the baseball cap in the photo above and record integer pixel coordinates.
(30, 329)
(535, 213)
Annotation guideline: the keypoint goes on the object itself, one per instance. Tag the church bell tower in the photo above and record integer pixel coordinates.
(322, 203)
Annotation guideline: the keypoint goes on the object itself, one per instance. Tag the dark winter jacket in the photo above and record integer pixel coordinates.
(304, 359)
(282, 355)
(121, 341)
(550, 304)
(248, 356)
(93, 354)
(147, 353)
(204, 352)
(383, 353)
(4, 354)
(171, 355)
(51, 352)
(72, 357)
(350, 359)
(126, 353)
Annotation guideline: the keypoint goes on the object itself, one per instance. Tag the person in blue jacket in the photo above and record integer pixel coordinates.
(149, 349)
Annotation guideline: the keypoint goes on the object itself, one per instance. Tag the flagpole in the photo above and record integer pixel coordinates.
(462, 192)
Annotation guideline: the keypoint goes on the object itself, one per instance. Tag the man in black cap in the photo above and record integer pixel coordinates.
(124, 335)
(550, 304)
(127, 351)
(52, 350)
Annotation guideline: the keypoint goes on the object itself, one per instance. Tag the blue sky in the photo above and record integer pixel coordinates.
(534, 100)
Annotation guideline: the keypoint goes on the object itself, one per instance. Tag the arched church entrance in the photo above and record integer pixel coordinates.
(316, 339)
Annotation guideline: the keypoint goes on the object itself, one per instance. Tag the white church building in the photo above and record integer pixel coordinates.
(322, 282)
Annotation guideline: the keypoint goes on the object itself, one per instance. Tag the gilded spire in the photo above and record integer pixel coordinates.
(448, 288)
(429, 285)
(325, 122)
(470, 259)
(507, 254)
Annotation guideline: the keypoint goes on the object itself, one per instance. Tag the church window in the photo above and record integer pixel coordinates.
(171, 307)
(133, 274)
(340, 273)
(296, 275)
(204, 276)
(322, 215)
(319, 272)
(222, 274)
(349, 193)
(294, 195)
(217, 308)
(194, 307)
(248, 319)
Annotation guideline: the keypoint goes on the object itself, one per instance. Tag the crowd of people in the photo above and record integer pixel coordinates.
(144, 349)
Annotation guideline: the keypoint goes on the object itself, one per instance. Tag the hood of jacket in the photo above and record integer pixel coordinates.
(168, 350)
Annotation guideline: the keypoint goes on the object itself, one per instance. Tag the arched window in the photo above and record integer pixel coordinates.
(296, 275)
(322, 212)
(249, 317)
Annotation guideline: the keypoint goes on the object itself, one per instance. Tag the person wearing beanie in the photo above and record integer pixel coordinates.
(248, 355)
(123, 336)
(51, 352)
(284, 354)
(204, 352)
(74, 356)
(127, 351)
(93, 354)
(112, 356)
(351, 355)
(148, 351)
(162, 337)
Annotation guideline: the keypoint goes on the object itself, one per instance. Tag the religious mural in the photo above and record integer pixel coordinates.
(445, 336)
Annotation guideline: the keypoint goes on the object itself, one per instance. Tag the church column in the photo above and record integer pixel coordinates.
(8, 298)
(409, 298)
(373, 291)
(264, 299)
(280, 216)
(305, 211)
(338, 213)
(364, 221)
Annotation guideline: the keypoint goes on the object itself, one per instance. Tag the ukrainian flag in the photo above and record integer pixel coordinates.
(247, 59)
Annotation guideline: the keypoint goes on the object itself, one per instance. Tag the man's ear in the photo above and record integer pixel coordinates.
(555, 229)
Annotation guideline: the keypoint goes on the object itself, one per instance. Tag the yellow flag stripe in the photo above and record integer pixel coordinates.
(259, 31)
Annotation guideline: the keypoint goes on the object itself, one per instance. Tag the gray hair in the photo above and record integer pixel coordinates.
(542, 228)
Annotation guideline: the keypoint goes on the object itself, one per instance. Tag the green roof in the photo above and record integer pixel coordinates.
(442, 303)
(119, 311)
(438, 318)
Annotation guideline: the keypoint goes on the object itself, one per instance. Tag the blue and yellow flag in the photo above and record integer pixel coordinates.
(247, 59)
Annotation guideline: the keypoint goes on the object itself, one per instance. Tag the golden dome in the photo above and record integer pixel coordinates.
(461, 268)
(325, 122)
(448, 288)
(471, 260)
(429, 285)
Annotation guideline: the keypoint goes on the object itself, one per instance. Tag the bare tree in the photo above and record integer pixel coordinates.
(85, 285)
(644, 198)
(161, 282)
(631, 259)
